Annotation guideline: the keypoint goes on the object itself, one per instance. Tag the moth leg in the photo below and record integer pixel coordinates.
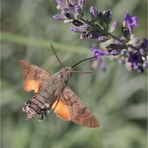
(46, 111)
(43, 113)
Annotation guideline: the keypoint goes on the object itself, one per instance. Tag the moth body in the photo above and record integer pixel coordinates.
(48, 93)
(52, 93)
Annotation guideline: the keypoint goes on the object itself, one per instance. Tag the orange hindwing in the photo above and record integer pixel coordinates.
(70, 107)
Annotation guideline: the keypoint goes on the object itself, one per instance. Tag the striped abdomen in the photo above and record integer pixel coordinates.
(38, 106)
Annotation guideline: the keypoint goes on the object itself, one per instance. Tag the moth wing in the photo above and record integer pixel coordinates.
(61, 109)
(71, 108)
(33, 75)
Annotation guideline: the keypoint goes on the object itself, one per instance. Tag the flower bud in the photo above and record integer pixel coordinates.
(107, 16)
(113, 26)
(93, 12)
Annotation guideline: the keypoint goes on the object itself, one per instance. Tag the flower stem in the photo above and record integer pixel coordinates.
(110, 34)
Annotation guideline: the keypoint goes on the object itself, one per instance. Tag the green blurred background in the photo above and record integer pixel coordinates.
(117, 97)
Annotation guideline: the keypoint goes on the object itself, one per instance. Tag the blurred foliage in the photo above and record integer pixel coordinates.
(117, 97)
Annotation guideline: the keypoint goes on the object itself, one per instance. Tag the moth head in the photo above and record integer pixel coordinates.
(66, 72)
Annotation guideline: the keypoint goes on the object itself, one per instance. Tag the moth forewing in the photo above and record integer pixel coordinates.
(33, 75)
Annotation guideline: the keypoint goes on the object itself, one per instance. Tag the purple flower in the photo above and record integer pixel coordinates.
(69, 9)
(130, 21)
(93, 12)
(81, 3)
(78, 12)
(77, 23)
(134, 58)
(145, 64)
(125, 48)
(113, 26)
(123, 52)
(98, 52)
(61, 4)
(89, 35)
(144, 44)
(82, 28)
(114, 52)
(102, 38)
(78, 9)
(59, 17)
(107, 16)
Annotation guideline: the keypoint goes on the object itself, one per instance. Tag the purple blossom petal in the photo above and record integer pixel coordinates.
(134, 58)
(113, 26)
(144, 44)
(90, 35)
(130, 21)
(78, 9)
(74, 2)
(75, 29)
(114, 52)
(59, 2)
(145, 64)
(68, 14)
(123, 52)
(107, 16)
(93, 12)
(81, 3)
(140, 69)
(59, 17)
(102, 38)
(83, 28)
(99, 52)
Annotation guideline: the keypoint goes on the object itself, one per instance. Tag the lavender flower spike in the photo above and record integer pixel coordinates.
(127, 48)
(70, 9)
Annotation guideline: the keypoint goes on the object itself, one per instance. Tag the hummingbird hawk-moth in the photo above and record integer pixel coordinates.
(52, 93)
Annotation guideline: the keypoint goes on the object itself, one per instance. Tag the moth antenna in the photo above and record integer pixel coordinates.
(56, 55)
(82, 72)
(83, 61)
